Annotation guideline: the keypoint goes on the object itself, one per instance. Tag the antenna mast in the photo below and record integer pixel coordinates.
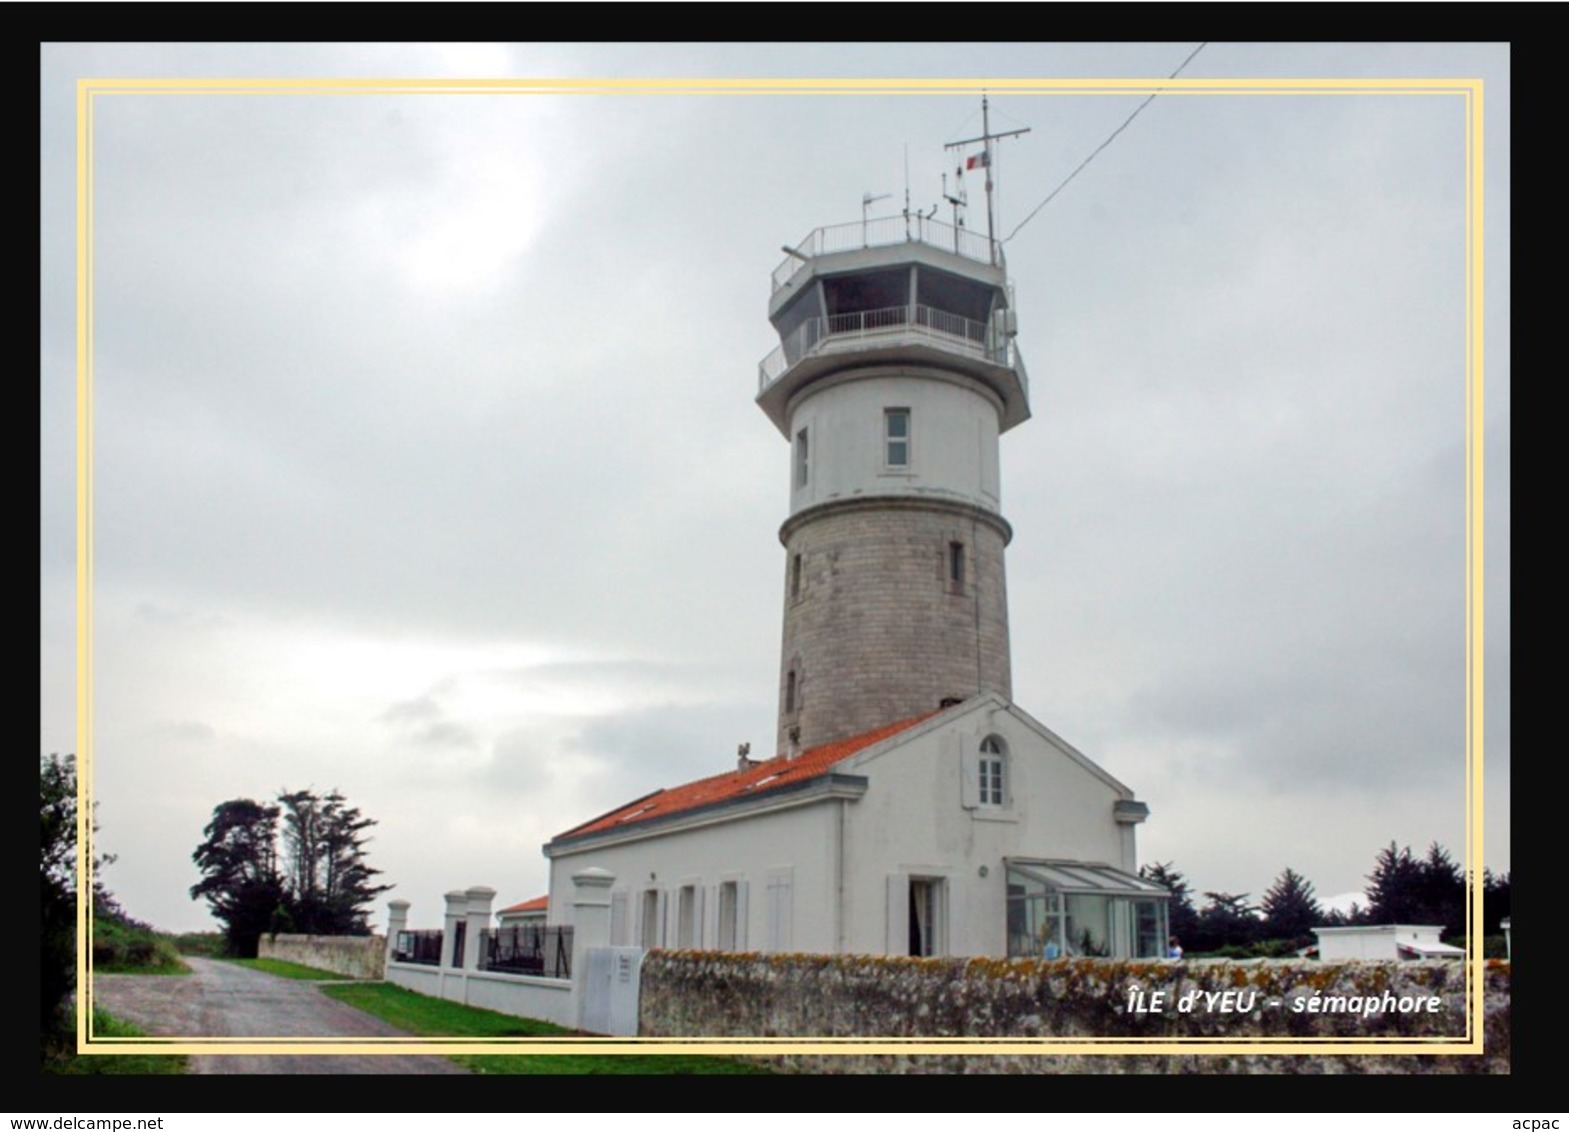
(985, 161)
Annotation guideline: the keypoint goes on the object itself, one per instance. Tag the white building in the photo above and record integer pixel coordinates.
(528, 914)
(1385, 941)
(911, 807)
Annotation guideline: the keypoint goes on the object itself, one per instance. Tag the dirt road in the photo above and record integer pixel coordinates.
(227, 1000)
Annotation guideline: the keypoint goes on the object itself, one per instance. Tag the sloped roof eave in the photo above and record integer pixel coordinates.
(808, 791)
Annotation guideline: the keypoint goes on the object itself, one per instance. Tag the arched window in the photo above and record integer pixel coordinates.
(992, 772)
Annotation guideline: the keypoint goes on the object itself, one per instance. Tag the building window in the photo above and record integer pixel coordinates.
(926, 915)
(990, 772)
(1050, 920)
(795, 576)
(802, 458)
(790, 692)
(896, 438)
(956, 565)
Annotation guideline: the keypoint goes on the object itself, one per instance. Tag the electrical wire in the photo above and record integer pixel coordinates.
(1110, 138)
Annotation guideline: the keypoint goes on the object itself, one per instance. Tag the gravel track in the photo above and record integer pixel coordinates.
(230, 1001)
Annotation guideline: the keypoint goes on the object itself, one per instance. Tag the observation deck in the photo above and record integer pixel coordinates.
(902, 289)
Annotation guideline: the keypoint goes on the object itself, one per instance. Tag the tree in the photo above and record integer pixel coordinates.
(1291, 910)
(1495, 901)
(1228, 920)
(297, 866)
(1183, 916)
(330, 881)
(1393, 887)
(240, 878)
(58, 823)
(1441, 891)
(1405, 890)
(57, 811)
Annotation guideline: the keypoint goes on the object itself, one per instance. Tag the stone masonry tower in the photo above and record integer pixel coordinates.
(895, 375)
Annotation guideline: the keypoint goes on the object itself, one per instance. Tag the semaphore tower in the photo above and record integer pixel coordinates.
(895, 376)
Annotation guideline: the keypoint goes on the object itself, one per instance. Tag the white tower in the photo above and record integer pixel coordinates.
(895, 375)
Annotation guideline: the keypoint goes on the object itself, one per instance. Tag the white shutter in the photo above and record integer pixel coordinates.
(780, 909)
(742, 923)
(699, 928)
(969, 785)
(898, 942)
(618, 919)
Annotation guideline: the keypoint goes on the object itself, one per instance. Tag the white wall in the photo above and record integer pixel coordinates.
(796, 844)
(1374, 941)
(523, 996)
(913, 822)
(953, 446)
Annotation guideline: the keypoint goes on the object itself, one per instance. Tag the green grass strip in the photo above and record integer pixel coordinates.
(438, 1018)
(130, 1064)
(286, 970)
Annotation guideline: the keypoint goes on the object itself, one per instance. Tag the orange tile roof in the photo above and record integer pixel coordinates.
(538, 904)
(763, 778)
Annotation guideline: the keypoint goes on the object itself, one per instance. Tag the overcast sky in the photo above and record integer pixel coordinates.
(427, 467)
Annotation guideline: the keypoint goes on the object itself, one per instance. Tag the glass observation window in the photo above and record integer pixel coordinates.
(1047, 920)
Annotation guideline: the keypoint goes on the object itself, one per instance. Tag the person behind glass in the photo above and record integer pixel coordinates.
(1173, 948)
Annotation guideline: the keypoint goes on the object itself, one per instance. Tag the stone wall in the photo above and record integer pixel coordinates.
(875, 631)
(687, 993)
(352, 956)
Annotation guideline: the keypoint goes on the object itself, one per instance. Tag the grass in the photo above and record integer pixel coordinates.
(210, 944)
(122, 946)
(437, 1018)
(286, 970)
(67, 1061)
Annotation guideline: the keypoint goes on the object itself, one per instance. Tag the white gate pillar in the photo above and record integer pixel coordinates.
(478, 899)
(457, 906)
(590, 926)
(397, 923)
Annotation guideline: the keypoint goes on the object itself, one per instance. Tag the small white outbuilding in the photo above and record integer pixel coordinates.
(1385, 941)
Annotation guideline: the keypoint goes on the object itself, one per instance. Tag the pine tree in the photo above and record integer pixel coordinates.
(240, 878)
(1442, 891)
(1183, 916)
(1228, 920)
(1394, 891)
(297, 866)
(1291, 910)
(1405, 890)
(1495, 901)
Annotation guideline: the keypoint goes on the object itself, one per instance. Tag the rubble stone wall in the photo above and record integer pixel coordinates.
(1264, 1002)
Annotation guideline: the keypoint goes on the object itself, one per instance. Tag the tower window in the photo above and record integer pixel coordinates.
(790, 692)
(896, 438)
(795, 576)
(802, 458)
(956, 564)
